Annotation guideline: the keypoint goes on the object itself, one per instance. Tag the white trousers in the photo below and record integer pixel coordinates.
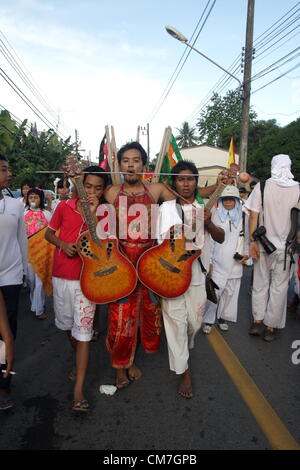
(227, 306)
(37, 294)
(270, 288)
(182, 319)
(73, 311)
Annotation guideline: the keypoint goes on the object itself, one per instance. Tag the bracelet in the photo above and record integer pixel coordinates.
(60, 248)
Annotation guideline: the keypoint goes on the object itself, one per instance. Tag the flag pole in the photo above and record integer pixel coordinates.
(161, 156)
(115, 162)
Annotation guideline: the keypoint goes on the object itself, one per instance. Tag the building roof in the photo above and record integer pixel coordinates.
(207, 156)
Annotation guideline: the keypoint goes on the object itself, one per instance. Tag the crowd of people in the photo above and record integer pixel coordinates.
(231, 234)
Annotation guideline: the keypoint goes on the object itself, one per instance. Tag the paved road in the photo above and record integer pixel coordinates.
(148, 414)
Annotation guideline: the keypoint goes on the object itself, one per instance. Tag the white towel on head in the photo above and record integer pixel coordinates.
(281, 171)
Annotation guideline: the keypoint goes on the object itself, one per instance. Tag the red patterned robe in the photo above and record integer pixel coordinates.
(136, 317)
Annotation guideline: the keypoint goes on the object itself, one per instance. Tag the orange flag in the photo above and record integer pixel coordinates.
(40, 255)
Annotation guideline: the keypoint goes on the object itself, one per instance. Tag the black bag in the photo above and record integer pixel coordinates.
(210, 285)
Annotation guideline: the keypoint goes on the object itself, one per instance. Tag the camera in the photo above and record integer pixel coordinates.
(237, 256)
(260, 235)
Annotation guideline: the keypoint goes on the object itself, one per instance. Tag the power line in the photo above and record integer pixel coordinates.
(277, 78)
(275, 114)
(167, 90)
(225, 80)
(24, 75)
(27, 101)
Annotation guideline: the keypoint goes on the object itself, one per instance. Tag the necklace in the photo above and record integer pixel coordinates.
(3, 210)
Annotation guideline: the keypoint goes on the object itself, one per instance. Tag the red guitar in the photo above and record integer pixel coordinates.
(166, 269)
(106, 275)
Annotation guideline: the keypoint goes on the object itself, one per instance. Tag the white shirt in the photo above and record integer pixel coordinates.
(224, 265)
(13, 245)
(278, 202)
(169, 216)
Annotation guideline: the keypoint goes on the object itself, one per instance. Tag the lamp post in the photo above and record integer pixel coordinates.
(180, 37)
(245, 93)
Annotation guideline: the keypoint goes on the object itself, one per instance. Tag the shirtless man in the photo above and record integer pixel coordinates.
(136, 318)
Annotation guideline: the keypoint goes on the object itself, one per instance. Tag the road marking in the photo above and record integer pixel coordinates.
(270, 423)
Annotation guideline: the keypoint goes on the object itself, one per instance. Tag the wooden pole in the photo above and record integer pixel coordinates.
(115, 163)
(246, 87)
(162, 153)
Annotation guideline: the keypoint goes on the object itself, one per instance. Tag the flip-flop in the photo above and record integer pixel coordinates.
(184, 389)
(80, 405)
(123, 384)
(6, 403)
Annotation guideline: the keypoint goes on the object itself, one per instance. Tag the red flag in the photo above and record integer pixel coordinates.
(103, 152)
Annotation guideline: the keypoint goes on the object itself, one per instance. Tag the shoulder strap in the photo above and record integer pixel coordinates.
(262, 190)
(201, 265)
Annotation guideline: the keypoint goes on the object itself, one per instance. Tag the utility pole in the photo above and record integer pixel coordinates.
(246, 87)
(145, 131)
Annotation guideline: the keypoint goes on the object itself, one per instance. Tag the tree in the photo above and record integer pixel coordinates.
(28, 153)
(220, 120)
(275, 140)
(186, 137)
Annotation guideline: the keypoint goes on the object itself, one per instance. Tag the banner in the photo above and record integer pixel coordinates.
(40, 255)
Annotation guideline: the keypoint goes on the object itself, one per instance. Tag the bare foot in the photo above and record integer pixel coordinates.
(134, 372)
(121, 378)
(185, 386)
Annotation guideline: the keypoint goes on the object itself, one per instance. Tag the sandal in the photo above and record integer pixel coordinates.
(80, 405)
(6, 403)
(122, 384)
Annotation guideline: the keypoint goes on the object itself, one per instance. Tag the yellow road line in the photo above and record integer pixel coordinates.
(270, 423)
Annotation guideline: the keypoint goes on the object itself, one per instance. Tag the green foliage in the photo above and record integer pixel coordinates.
(220, 120)
(275, 140)
(27, 154)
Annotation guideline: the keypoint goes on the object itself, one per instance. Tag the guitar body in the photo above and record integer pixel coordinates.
(106, 275)
(166, 269)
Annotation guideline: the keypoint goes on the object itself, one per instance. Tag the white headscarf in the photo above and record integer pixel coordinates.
(281, 171)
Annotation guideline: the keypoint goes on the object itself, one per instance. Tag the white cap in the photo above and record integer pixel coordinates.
(231, 191)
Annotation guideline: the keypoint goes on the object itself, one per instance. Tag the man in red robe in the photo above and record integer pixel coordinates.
(137, 317)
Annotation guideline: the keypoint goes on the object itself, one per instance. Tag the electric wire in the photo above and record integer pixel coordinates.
(258, 44)
(28, 102)
(26, 77)
(171, 83)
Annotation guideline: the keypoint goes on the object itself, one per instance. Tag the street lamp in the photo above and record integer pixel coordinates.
(180, 37)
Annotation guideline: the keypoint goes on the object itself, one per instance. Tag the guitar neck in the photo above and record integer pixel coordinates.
(215, 195)
(87, 215)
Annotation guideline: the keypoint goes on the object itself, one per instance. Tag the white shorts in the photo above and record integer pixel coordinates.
(73, 311)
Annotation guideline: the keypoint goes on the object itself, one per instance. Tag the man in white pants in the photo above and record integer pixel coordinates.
(183, 315)
(271, 277)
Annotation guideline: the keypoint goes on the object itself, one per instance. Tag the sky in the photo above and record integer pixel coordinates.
(108, 62)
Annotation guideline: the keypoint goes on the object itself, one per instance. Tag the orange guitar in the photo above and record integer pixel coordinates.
(166, 269)
(106, 274)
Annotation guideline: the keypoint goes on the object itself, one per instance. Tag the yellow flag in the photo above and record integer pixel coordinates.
(231, 158)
